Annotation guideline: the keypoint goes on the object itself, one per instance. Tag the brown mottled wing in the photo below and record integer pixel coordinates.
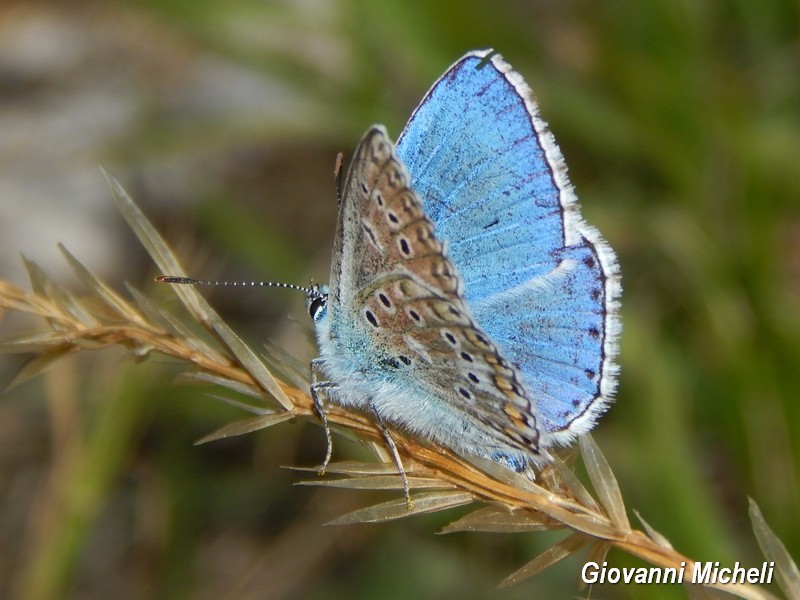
(389, 263)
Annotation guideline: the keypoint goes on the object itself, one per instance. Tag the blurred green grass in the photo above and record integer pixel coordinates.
(680, 123)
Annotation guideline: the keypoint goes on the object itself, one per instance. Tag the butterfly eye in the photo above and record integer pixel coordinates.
(316, 307)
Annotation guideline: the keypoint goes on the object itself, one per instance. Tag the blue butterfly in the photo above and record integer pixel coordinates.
(469, 303)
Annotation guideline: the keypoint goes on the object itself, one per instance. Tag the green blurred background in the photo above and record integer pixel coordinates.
(680, 122)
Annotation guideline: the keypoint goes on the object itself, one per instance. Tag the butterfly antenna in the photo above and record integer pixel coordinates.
(189, 281)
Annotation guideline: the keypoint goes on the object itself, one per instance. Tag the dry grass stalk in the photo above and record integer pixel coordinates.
(438, 478)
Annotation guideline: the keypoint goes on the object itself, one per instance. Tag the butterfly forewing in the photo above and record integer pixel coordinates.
(539, 280)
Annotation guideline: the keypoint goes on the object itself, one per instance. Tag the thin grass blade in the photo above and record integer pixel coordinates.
(505, 475)
(786, 571)
(152, 313)
(353, 468)
(654, 535)
(597, 554)
(290, 368)
(245, 406)
(380, 482)
(604, 482)
(399, 509)
(35, 342)
(569, 545)
(574, 485)
(113, 300)
(40, 363)
(202, 378)
(246, 426)
(168, 323)
(493, 519)
(65, 302)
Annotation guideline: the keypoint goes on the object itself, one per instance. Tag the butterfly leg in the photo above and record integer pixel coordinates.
(317, 387)
(395, 454)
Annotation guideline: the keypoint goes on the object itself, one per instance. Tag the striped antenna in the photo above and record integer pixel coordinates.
(308, 291)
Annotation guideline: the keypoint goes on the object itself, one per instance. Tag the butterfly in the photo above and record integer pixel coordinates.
(469, 304)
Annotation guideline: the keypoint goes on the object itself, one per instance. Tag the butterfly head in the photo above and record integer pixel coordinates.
(317, 301)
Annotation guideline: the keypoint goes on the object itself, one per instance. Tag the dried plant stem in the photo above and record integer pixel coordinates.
(556, 501)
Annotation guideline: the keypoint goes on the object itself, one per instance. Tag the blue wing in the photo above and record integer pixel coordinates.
(542, 283)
